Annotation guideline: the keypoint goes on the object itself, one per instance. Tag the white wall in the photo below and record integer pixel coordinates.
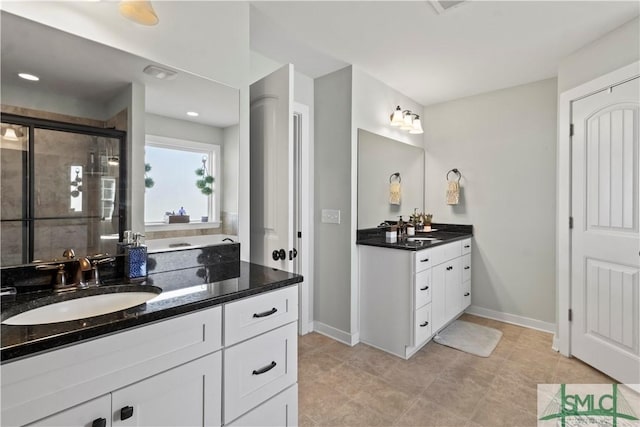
(191, 36)
(332, 247)
(230, 162)
(27, 97)
(504, 144)
(616, 49)
(182, 129)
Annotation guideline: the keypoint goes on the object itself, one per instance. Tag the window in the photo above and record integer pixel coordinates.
(173, 168)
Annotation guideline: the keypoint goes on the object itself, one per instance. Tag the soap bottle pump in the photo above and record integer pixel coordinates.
(136, 259)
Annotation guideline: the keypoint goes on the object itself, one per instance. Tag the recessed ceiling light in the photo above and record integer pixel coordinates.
(192, 114)
(28, 76)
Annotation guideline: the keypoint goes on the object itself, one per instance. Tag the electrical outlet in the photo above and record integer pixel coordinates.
(331, 216)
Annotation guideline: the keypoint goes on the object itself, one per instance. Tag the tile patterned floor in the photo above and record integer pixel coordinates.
(439, 386)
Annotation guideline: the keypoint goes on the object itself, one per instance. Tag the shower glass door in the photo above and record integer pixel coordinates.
(62, 188)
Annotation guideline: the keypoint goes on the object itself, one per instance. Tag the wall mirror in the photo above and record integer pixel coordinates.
(100, 135)
(378, 159)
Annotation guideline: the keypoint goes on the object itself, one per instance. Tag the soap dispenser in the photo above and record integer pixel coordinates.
(135, 265)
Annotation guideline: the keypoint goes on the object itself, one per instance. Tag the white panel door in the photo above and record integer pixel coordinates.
(272, 175)
(605, 259)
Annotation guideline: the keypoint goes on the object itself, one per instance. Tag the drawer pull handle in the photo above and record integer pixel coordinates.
(467, 267)
(126, 412)
(450, 268)
(424, 289)
(265, 313)
(424, 260)
(99, 422)
(422, 325)
(467, 294)
(467, 246)
(265, 369)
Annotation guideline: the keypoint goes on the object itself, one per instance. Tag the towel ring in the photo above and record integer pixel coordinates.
(397, 175)
(457, 172)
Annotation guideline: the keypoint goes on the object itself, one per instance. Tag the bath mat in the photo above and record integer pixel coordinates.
(470, 338)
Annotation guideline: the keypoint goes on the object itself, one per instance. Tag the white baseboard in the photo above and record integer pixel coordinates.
(336, 334)
(555, 343)
(514, 319)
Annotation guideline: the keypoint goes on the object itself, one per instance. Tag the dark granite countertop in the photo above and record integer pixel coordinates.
(443, 233)
(183, 291)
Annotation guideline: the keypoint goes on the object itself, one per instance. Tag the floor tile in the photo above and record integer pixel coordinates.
(423, 412)
(341, 385)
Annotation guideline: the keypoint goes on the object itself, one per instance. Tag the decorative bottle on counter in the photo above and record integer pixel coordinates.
(135, 259)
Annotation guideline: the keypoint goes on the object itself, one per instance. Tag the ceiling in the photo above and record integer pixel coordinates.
(476, 47)
(82, 69)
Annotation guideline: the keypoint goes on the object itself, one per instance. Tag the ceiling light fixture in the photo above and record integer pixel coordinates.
(160, 73)
(406, 120)
(29, 77)
(139, 11)
(192, 114)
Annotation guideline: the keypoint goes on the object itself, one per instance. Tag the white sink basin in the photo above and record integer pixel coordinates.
(80, 308)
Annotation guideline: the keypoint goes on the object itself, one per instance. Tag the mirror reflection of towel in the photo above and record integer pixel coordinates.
(394, 193)
(453, 193)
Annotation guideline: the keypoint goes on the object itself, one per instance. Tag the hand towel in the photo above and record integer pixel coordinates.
(394, 193)
(453, 193)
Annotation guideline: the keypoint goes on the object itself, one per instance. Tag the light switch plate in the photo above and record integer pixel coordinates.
(331, 216)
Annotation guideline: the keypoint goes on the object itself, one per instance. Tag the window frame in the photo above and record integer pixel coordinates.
(213, 150)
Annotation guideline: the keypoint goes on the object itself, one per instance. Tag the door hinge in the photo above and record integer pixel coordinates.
(570, 222)
(299, 234)
(570, 315)
(571, 129)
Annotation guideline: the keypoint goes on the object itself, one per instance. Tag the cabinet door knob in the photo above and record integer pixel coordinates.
(422, 325)
(467, 267)
(467, 294)
(265, 369)
(467, 246)
(99, 422)
(424, 289)
(265, 313)
(126, 412)
(424, 260)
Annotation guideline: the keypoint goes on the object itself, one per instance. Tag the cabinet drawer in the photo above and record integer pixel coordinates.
(466, 267)
(280, 410)
(189, 395)
(422, 260)
(466, 295)
(446, 252)
(257, 369)
(252, 316)
(466, 246)
(82, 415)
(422, 288)
(422, 324)
(34, 387)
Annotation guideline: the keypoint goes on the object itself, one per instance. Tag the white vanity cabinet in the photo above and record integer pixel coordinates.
(407, 297)
(168, 373)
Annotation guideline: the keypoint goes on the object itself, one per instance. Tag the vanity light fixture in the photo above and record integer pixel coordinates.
(139, 11)
(29, 77)
(396, 117)
(10, 135)
(192, 114)
(406, 120)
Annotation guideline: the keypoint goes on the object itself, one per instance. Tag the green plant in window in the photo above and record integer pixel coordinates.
(148, 181)
(205, 182)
